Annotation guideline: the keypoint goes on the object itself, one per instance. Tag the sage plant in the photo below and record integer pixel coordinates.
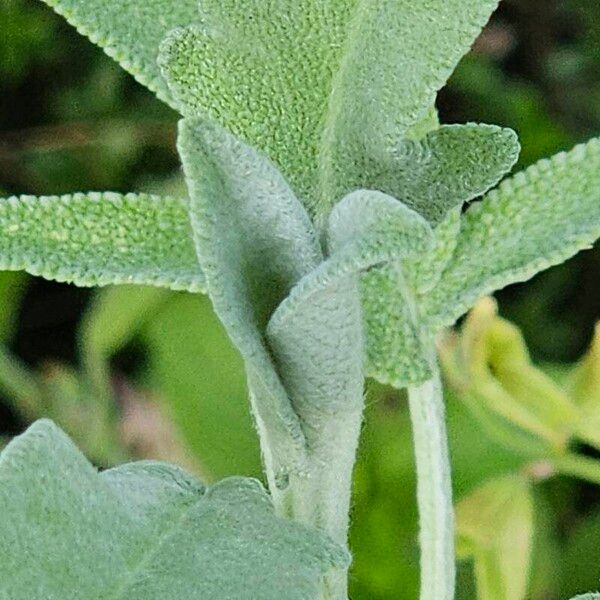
(325, 220)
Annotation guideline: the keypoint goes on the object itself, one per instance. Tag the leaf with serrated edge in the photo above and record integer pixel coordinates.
(448, 167)
(99, 239)
(144, 531)
(536, 219)
(130, 31)
(254, 241)
(435, 176)
(318, 84)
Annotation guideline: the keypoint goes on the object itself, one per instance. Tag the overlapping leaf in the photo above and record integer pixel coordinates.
(316, 331)
(538, 218)
(435, 176)
(100, 238)
(130, 31)
(321, 87)
(254, 241)
(144, 531)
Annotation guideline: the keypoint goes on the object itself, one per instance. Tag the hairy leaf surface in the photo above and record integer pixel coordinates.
(321, 87)
(536, 219)
(435, 176)
(316, 331)
(254, 241)
(100, 238)
(130, 31)
(144, 531)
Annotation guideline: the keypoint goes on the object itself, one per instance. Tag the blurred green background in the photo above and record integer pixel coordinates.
(132, 372)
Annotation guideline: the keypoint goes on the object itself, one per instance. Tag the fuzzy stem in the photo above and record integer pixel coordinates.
(434, 490)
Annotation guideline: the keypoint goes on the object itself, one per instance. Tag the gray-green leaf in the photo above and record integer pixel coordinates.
(321, 317)
(99, 239)
(320, 85)
(143, 531)
(254, 241)
(130, 31)
(536, 219)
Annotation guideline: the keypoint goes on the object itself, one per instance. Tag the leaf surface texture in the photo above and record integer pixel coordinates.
(144, 531)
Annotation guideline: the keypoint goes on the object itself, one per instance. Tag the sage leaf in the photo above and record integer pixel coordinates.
(449, 166)
(144, 531)
(320, 319)
(587, 597)
(536, 219)
(130, 31)
(99, 239)
(254, 241)
(318, 90)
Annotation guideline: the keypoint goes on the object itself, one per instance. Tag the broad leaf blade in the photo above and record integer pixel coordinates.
(534, 220)
(143, 531)
(318, 85)
(254, 241)
(99, 239)
(130, 31)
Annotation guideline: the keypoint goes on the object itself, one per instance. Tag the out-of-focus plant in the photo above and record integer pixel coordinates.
(521, 407)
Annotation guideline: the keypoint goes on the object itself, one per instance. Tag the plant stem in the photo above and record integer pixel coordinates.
(434, 490)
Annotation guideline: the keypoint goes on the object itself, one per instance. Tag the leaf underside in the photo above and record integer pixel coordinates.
(316, 332)
(144, 530)
(254, 241)
(101, 238)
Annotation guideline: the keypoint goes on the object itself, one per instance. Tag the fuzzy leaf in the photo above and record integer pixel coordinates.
(321, 316)
(449, 166)
(130, 31)
(254, 241)
(587, 597)
(316, 83)
(144, 530)
(435, 176)
(99, 239)
(538, 218)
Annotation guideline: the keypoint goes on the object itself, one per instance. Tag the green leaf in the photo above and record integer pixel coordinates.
(144, 530)
(435, 176)
(538, 218)
(254, 241)
(495, 527)
(99, 239)
(130, 31)
(321, 316)
(320, 86)
(587, 597)
(449, 166)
